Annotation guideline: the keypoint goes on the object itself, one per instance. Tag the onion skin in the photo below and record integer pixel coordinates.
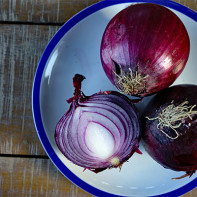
(178, 154)
(113, 112)
(147, 39)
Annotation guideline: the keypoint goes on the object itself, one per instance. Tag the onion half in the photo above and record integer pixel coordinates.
(144, 49)
(99, 131)
(170, 128)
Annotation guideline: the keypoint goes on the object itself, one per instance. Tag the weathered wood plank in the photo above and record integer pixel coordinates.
(52, 11)
(39, 177)
(192, 193)
(20, 177)
(20, 50)
(192, 4)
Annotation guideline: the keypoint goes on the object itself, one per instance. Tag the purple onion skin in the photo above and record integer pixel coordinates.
(148, 39)
(178, 154)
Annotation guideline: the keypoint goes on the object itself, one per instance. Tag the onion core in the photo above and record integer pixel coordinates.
(99, 140)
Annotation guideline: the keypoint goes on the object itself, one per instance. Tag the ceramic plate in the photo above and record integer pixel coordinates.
(75, 49)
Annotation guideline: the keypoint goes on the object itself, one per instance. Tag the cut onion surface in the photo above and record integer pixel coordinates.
(99, 131)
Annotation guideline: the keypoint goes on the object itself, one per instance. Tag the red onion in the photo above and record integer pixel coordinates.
(99, 131)
(144, 49)
(170, 128)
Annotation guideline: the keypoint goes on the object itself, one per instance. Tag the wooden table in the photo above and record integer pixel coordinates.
(26, 26)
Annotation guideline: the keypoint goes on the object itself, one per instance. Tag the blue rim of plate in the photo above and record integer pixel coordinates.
(37, 84)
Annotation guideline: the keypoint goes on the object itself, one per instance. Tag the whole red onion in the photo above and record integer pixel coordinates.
(98, 131)
(170, 128)
(144, 49)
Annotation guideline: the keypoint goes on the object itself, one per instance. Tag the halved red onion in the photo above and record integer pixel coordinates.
(99, 131)
(170, 128)
(144, 49)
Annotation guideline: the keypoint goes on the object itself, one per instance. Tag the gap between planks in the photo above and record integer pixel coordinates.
(24, 156)
(31, 23)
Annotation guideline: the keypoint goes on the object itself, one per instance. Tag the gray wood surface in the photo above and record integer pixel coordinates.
(41, 11)
(26, 26)
(20, 177)
(21, 49)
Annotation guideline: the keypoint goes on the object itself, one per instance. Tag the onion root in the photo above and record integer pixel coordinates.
(132, 84)
(172, 116)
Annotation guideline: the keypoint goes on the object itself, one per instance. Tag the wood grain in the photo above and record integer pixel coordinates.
(21, 48)
(41, 11)
(20, 177)
(39, 177)
(26, 26)
(52, 11)
(192, 193)
(192, 4)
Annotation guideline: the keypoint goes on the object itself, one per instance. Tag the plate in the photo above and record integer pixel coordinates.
(75, 48)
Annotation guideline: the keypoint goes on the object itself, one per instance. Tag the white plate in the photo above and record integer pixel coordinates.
(75, 48)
